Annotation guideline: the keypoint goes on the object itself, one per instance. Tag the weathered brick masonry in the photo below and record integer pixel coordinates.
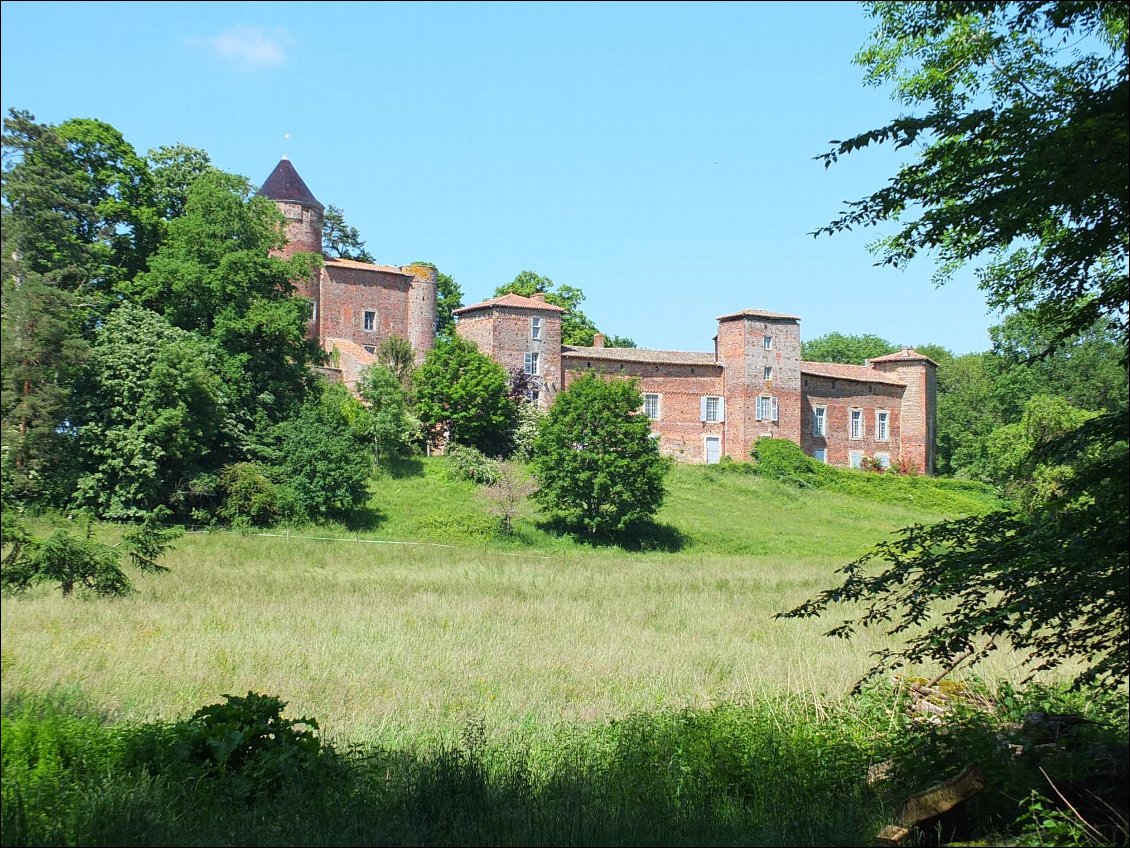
(703, 405)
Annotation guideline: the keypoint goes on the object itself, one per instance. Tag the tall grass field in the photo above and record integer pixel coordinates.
(533, 689)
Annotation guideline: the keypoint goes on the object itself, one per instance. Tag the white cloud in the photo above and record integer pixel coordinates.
(249, 47)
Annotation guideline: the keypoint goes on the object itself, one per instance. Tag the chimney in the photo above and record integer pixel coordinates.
(538, 296)
(598, 340)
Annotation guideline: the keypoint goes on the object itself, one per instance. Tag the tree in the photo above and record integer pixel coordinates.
(339, 239)
(321, 458)
(464, 392)
(80, 562)
(595, 459)
(153, 414)
(1021, 167)
(396, 354)
(507, 497)
(449, 297)
(174, 169)
(386, 413)
(576, 327)
(850, 350)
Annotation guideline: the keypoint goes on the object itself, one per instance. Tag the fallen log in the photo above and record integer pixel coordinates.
(922, 807)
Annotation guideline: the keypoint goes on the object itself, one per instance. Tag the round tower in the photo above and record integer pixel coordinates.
(302, 211)
(421, 307)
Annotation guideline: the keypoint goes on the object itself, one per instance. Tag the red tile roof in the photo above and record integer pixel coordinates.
(642, 355)
(907, 354)
(858, 373)
(510, 299)
(365, 266)
(758, 313)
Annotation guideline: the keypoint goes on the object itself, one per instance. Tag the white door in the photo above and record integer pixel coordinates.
(713, 449)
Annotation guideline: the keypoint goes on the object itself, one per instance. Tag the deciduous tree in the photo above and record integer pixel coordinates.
(595, 459)
(1020, 167)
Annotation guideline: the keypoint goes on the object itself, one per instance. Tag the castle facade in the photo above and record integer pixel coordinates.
(702, 405)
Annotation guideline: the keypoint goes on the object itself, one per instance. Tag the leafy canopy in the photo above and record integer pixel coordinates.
(1021, 135)
(595, 458)
(465, 393)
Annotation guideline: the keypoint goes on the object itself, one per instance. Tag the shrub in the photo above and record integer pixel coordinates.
(251, 496)
(246, 740)
(783, 460)
(471, 464)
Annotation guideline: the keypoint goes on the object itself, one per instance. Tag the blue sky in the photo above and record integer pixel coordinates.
(657, 156)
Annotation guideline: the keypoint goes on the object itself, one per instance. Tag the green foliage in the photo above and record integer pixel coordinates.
(396, 354)
(251, 496)
(449, 297)
(472, 465)
(850, 350)
(339, 239)
(247, 741)
(464, 392)
(1021, 155)
(576, 327)
(41, 354)
(173, 170)
(153, 413)
(1021, 151)
(80, 562)
(783, 460)
(595, 459)
(385, 417)
(527, 422)
(1049, 582)
(321, 456)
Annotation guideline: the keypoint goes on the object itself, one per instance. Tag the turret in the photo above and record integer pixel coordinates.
(304, 216)
(421, 308)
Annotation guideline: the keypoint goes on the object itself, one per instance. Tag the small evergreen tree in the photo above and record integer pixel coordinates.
(595, 459)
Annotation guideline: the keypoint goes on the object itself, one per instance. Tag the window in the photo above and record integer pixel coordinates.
(856, 424)
(370, 320)
(651, 406)
(855, 459)
(535, 328)
(820, 454)
(819, 419)
(534, 395)
(768, 372)
(882, 425)
(713, 409)
(768, 342)
(884, 460)
(532, 363)
(370, 349)
(767, 409)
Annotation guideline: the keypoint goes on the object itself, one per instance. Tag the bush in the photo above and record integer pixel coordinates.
(471, 464)
(251, 496)
(780, 459)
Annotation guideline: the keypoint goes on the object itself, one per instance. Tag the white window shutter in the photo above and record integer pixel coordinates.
(776, 417)
(702, 409)
(721, 409)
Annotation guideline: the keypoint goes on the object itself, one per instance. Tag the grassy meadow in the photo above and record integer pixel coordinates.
(528, 690)
(404, 643)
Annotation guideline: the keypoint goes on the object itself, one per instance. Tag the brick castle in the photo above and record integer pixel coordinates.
(703, 406)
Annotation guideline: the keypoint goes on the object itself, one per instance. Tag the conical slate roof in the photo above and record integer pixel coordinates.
(285, 184)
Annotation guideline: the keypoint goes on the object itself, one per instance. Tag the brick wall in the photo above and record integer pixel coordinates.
(682, 433)
(421, 329)
(918, 409)
(504, 334)
(346, 293)
(839, 397)
(740, 346)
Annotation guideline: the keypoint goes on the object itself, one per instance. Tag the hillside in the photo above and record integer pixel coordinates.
(716, 510)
